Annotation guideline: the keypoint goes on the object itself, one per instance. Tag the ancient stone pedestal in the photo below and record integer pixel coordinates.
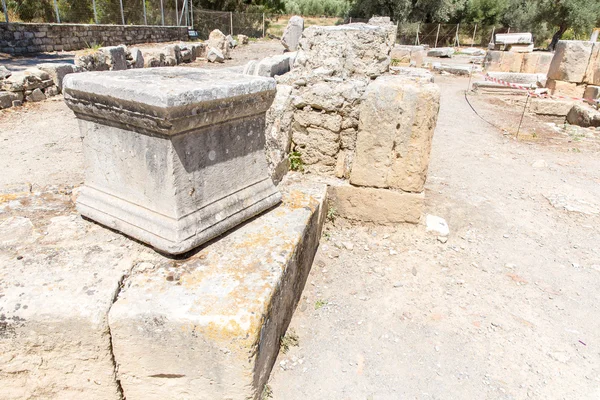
(174, 156)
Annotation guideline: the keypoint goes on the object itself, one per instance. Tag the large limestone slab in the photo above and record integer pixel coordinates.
(210, 327)
(569, 89)
(381, 206)
(536, 63)
(293, 33)
(59, 275)
(174, 156)
(397, 119)
(557, 108)
(570, 61)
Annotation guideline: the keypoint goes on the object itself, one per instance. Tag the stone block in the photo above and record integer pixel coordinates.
(550, 107)
(513, 38)
(242, 39)
(459, 70)
(565, 88)
(536, 63)
(397, 119)
(278, 132)
(583, 115)
(6, 100)
(215, 55)
(381, 206)
(137, 58)
(401, 55)
(520, 48)
(520, 78)
(592, 93)
(570, 61)
(272, 66)
(218, 40)
(58, 71)
(354, 50)
(418, 74)
(115, 57)
(4, 72)
(592, 72)
(441, 52)
(293, 33)
(211, 327)
(36, 95)
(174, 156)
(173, 51)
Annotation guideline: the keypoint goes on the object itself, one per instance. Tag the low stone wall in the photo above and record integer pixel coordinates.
(18, 38)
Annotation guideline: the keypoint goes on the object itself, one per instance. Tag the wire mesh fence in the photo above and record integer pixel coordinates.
(446, 35)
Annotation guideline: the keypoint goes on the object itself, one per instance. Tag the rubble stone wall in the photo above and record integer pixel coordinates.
(18, 38)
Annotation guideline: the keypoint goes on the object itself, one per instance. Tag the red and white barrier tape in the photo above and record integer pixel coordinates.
(541, 95)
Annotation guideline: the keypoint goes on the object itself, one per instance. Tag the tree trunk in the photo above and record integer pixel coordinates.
(562, 29)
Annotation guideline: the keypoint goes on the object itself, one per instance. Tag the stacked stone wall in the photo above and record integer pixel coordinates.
(20, 38)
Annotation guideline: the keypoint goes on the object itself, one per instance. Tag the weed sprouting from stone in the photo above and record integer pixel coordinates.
(290, 339)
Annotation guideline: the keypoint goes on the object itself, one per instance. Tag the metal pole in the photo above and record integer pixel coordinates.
(474, 32)
(187, 14)
(522, 115)
(5, 11)
(263, 25)
(56, 10)
(162, 12)
(231, 23)
(192, 13)
(508, 30)
(436, 36)
(492, 38)
(176, 13)
(95, 12)
(457, 39)
(145, 18)
(122, 13)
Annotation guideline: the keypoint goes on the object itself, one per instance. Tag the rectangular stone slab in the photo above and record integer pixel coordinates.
(210, 327)
(174, 156)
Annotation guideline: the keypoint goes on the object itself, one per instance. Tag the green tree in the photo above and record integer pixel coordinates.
(579, 15)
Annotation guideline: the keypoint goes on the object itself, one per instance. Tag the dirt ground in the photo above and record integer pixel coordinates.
(507, 308)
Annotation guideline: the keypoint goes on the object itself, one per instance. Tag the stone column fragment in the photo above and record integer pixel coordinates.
(174, 156)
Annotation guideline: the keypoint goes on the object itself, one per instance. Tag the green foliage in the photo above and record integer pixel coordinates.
(290, 339)
(330, 8)
(320, 304)
(296, 163)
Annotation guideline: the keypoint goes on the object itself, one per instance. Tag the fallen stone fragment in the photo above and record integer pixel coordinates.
(437, 225)
(583, 115)
(292, 33)
(58, 71)
(218, 40)
(243, 39)
(115, 57)
(137, 58)
(213, 324)
(4, 72)
(36, 95)
(215, 55)
(441, 52)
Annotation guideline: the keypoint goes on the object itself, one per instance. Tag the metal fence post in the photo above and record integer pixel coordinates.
(492, 38)
(457, 39)
(145, 18)
(436, 36)
(5, 11)
(417, 38)
(231, 23)
(95, 12)
(192, 13)
(474, 32)
(263, 25)
(122, 13)
(176, 13)
(162, 12)
(56, 10)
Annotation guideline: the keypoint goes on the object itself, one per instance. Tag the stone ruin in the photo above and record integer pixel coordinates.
(176, 156)
(513, 52)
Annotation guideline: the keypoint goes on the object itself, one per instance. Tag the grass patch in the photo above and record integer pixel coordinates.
(290, 339)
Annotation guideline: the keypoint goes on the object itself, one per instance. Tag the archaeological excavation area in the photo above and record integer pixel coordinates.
(329, 215)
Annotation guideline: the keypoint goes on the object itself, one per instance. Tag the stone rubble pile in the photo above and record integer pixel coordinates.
(37, 84)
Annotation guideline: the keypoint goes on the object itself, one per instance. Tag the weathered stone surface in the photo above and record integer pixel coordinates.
(558, 108)
(346, 50)
(397, 120)
(419, 74)
(565, 88)
(592, 93)
(4, 72)
(536, 63)
(460, 70)
(442, 52)
(520, 78)
(381, 206)
(6, 100)
(90, 60)
(115, 57)
(514, 38)
(592, 72)
(36, 95)
(408, 55)
(504, 61)
(200, 174)
(520, 48)
(293, 33)
(218, 40)
(231, 41)
(51, 91)
(271, 66)
(583, 115)
(242, 39)
(210, 327)
(278, 132)
(58, 71)
(173, 51)
(55, 340)
(215, 55)
(137, 58)
(570, 61)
